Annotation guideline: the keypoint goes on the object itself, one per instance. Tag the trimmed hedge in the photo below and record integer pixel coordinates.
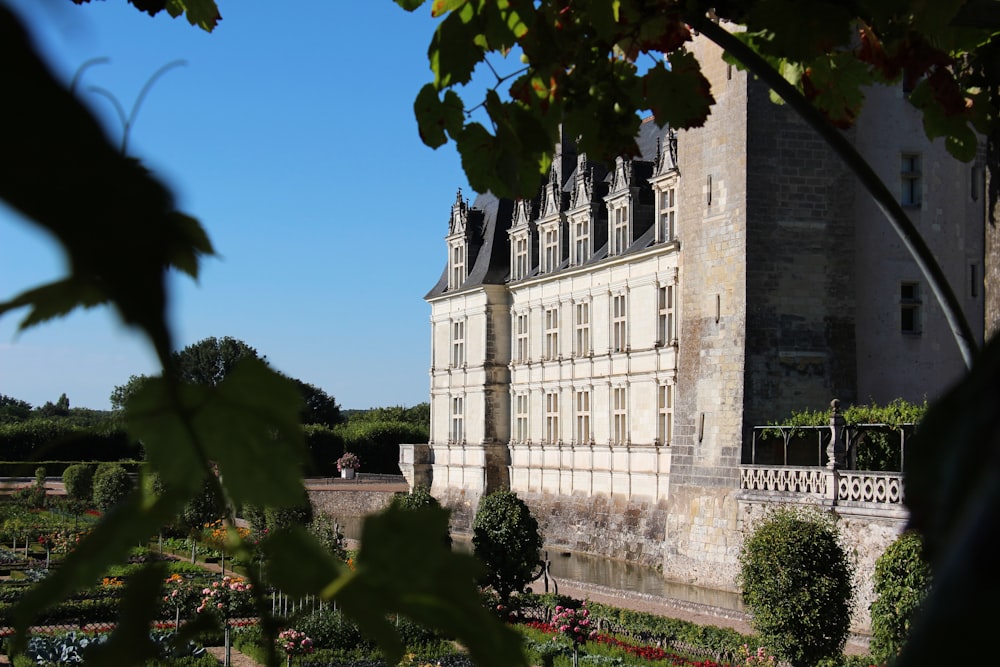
(376, 444)
(57, 440)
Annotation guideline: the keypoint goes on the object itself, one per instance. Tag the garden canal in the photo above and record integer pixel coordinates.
(604, 572)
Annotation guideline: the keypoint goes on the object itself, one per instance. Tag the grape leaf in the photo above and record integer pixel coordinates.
(247, 424)
(453, 53)
(681, 96)
(410, 5)
(130, 642)
(202, 13)
(953, 493)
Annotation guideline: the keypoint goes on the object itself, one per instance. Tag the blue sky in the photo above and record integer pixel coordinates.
(290, 135)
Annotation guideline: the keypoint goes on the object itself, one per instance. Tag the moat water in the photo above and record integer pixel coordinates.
(601, 571)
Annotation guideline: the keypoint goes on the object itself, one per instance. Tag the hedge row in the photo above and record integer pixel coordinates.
(56, 440)
(55, 468)
(375, 443)
(56, 444)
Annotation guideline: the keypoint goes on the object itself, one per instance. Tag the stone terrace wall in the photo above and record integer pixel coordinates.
(349, 502)
(631, 530)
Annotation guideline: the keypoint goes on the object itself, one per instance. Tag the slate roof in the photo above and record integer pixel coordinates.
(492, 263)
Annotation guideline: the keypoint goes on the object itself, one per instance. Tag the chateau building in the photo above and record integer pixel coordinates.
(605, 348)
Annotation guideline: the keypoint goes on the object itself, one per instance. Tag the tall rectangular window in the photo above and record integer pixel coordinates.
(551, 249)
(581, 240)
(552, 417)
(458, 343)
(581, 317)
(666, 322)
(551, 333)
(520, 257)
(457, 266)
(619, 416)
(619, 332)
(521, 338)
(909, 307)
(668, 213)
(909, 179)
(582, 435)
(457, 419)
(620, 230)
(665, 414)
(521, 418)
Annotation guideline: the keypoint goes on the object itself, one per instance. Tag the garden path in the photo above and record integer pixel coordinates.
(236, 659)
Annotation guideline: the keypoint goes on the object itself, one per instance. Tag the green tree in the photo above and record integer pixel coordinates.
(58, 409)
(506, 540)
(318, 406)
(78, 479)
(419, 414)
(902, 580)
(112, 485)
(13, 409)
(796, 585)
(210, 360)
(202, 508)
(122, 393)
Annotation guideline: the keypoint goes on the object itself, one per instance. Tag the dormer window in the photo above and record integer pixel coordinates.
(581, 239)
(456, 271)
(619, 230)
(667, 223)
(519, 261)
(551, 248)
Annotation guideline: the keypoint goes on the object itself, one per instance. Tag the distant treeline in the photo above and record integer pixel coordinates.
(31, 435)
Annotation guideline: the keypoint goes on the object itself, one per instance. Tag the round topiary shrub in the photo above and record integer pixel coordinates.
(902, 579)
(79, 482)
(796, 582)
(419, 497)
(506, 539)
(111, 485)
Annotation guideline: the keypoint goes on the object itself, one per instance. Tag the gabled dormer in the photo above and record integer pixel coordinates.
(586, 216)
(665, 183)
(464, 240)
(552, 234)
(523, 239)
(629, 202)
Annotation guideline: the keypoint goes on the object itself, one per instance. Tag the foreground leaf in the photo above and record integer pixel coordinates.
(130, 642)
(247, 424)
(953, 492)
(404, 567)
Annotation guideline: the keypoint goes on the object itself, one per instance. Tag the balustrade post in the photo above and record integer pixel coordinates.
(835, 451)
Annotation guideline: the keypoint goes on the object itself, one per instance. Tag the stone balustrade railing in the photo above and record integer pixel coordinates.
(859, 491)
(870, 487)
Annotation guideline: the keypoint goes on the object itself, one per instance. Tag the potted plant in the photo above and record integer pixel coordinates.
(347, 464)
